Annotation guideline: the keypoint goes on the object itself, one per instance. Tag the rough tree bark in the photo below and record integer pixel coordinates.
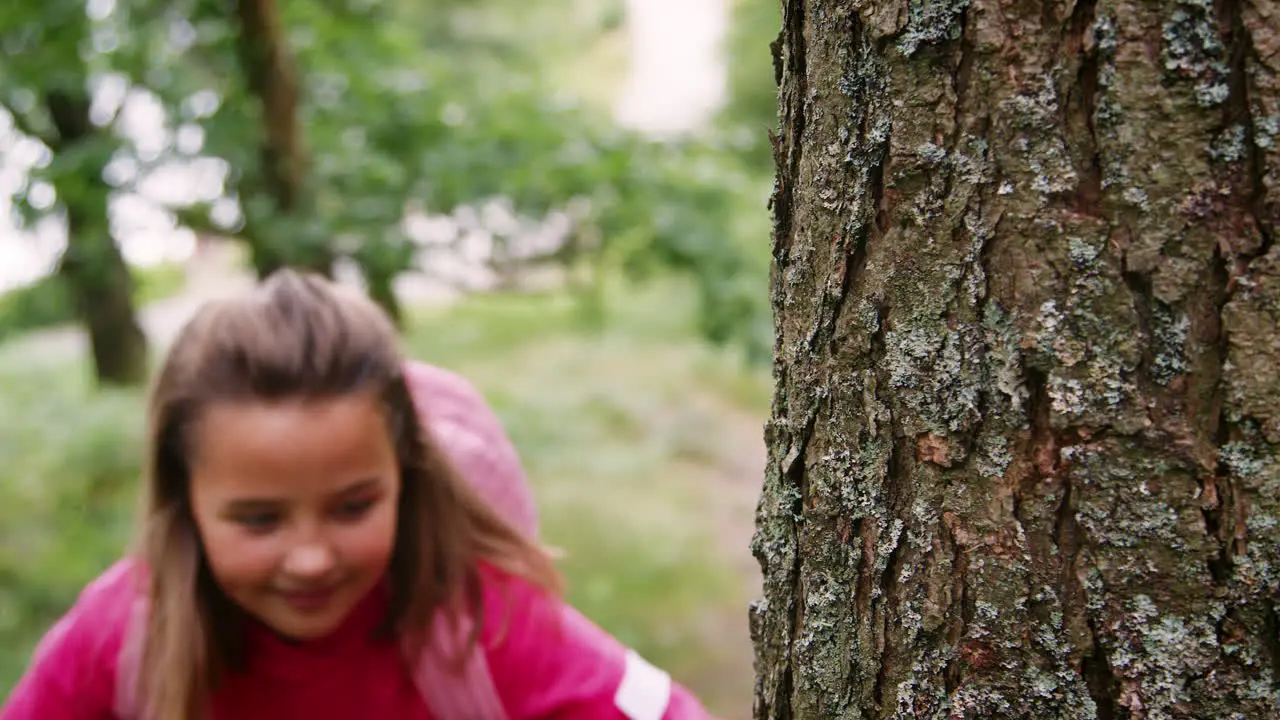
(1025, 442)
(96, 275)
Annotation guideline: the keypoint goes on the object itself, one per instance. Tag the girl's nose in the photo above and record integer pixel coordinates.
(310, 561)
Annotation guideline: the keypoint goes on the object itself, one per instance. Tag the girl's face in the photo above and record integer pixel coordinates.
(295, 503)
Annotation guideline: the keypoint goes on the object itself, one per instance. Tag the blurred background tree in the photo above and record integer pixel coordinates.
(468, 165)
(50, 50)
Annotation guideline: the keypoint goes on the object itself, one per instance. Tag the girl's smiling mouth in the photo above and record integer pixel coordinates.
(310, 600)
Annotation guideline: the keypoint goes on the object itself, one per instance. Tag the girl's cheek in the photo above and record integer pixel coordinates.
(371, 542)
(240, 557)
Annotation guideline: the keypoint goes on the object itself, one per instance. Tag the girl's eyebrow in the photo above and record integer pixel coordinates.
(251, 504)
(358, 487)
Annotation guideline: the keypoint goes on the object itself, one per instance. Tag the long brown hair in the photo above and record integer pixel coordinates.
(299, 336)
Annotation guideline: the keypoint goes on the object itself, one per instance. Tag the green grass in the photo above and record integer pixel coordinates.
(619, 428)
(65, 489)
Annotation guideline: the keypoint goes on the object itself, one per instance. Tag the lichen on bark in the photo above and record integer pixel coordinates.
(1024, 449)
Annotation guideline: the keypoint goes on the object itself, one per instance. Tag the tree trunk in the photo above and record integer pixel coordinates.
(92, 267)
(1025, 443)
(272, 79)
(382, 291)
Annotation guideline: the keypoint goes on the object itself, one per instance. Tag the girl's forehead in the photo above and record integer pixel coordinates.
(295, 447)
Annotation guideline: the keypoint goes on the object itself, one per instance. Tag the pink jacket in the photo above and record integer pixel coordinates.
(546, 660)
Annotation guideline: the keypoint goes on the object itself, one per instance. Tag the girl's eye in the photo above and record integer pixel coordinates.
(353, 510)
(259, 522)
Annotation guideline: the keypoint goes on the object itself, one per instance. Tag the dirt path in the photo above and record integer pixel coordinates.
(218, 272)
(210, 276)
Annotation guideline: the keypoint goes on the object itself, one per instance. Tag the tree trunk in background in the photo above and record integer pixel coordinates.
(272, 79)
(1025, 444)
(96, 275)
(382, 292)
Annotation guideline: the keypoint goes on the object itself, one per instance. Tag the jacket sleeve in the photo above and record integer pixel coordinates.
(549, 662)
(71, 675)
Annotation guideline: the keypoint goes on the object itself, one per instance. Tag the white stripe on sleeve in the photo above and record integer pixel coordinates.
(645, 690)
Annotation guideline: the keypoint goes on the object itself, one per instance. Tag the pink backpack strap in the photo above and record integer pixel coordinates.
(129, 662)
(453, 693)
(473, 437)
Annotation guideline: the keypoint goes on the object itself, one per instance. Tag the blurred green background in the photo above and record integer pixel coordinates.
(565, 201)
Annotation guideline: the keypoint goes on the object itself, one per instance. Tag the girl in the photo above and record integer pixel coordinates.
(307, 551)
